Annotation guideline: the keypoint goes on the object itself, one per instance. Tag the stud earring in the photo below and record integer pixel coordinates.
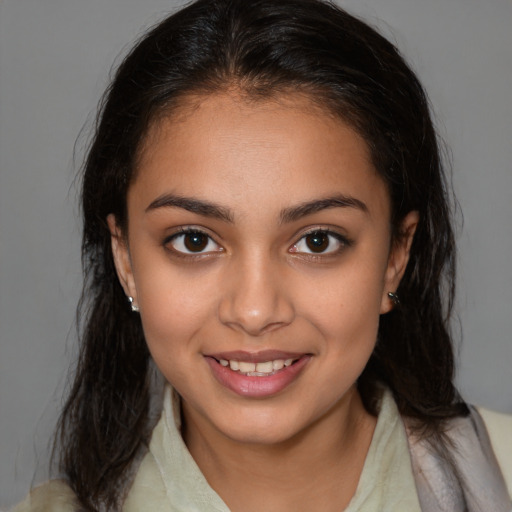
(394, 298)
(134, 307)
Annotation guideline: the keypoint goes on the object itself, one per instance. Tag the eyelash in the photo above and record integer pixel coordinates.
(343, 242)
(183, 232)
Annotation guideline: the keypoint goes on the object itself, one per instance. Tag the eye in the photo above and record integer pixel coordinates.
(193, 242)
(319, 242)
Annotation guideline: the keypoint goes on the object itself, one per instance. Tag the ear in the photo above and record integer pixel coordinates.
(398, 259)
(121, 256)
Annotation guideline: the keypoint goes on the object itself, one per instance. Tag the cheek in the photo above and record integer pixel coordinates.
(175, 305)
(171, 318)
(344, 305)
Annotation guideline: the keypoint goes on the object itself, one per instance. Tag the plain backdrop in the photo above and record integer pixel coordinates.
(55, 59)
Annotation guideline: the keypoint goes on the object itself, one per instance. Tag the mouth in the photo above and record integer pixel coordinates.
(257, 374)
(263, 369)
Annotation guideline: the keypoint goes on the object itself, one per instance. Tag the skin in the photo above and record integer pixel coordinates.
(258, 286)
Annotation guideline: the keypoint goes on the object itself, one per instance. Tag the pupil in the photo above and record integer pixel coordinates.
(195, 241)
(317, 242)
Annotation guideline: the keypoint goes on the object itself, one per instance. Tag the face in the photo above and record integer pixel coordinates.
(259, 253)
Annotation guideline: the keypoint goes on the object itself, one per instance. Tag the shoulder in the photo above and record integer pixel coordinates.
(55, 495)
(499, 428)
(147, 491)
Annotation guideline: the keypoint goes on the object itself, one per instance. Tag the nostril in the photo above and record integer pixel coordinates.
(257, 304)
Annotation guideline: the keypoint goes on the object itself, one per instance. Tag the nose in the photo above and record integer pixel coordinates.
(255, 297)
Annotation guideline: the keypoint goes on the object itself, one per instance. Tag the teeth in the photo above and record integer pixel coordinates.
(277, 364)
(267, 367)
(257, 369)
(246, 367)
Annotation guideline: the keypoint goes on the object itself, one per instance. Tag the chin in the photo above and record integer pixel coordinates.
(262, 428)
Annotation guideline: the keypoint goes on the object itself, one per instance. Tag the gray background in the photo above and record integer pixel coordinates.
(55, 57)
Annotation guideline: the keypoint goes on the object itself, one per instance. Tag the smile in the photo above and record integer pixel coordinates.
(263, 369)
(258, 375)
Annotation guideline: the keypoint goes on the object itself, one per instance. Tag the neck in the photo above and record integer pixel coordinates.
(316, 469)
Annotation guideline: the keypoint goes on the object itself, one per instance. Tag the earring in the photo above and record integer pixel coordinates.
(394, 298)
(134, 307)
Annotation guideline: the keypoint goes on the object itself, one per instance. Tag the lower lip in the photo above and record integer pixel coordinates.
(257, 387)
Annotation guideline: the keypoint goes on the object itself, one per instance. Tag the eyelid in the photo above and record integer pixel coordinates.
(184, 230)
(343, 240)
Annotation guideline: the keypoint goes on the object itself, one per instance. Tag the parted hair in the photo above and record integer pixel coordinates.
(264, 48)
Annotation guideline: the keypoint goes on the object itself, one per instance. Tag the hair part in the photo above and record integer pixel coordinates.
(263, 49)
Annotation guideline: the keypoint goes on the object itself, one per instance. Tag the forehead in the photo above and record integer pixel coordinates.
(233, 147)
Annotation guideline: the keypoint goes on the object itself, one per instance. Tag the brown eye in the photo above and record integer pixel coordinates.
(317, 242)
(320, 242)
(193, 242)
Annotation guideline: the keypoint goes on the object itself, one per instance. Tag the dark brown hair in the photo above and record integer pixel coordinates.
(263, 47)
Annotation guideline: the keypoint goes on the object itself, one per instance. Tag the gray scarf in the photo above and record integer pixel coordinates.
(469, 480)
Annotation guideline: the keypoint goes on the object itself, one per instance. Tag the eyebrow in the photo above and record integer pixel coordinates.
(199, 206)
(291, 214)
(339, 201)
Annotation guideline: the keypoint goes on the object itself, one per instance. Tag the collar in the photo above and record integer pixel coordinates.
(170, 480)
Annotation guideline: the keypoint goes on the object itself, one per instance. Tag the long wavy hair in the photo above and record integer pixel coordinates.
(265, 48)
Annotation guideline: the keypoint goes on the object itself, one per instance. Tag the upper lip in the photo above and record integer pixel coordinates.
(255, 357)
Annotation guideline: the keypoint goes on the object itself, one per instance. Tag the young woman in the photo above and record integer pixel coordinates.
(269, 269)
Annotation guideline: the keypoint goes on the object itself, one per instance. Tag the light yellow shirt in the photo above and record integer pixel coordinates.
(169, 479)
